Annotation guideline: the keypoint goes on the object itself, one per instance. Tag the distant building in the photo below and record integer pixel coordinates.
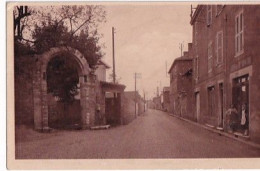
(133, 105)
(150, 104)
(181, 85)
(157, 101)
(166, 99)
(100, 72)
(226, 66)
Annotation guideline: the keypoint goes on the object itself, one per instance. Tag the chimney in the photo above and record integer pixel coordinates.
(189, 47)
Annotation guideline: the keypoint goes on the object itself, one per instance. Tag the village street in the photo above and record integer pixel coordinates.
(154, 134)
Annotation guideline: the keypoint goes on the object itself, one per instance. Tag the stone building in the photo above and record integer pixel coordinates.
(226, 66)
(157, 101)
(35, 106)
(166, 99)
(181, 85)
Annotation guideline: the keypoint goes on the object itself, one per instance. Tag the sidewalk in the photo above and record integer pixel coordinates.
(219, 132)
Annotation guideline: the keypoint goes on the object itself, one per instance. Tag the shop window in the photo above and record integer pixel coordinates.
(240, 99)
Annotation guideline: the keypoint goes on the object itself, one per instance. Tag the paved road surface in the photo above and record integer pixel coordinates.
(155, 134)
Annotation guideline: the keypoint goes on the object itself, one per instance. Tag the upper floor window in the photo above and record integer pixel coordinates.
(219, 47)
(209, 14)
(239, 36)
(210, 57)
(196, 33)
(196, 67)
(219, 9)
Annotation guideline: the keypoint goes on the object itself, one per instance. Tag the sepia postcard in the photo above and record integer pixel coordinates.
(133, 85)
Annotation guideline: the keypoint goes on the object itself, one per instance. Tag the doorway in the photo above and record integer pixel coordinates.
(211, 100)
(197, 99)
(64, 111)
(113, 109)
(240, 99)
(221, 110)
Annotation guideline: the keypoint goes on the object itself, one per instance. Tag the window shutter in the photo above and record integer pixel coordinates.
(217, 46)
(221, 47)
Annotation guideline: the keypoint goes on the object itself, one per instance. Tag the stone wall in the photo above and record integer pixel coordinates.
(128, 107)
(23, 90)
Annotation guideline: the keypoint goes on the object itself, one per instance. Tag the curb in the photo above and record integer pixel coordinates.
(232, 136)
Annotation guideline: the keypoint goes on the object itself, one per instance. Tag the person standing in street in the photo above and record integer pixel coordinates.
(232, 115)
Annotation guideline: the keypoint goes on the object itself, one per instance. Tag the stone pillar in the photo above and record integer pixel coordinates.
(87, 102)
(83, 101)
(91, 103)
(37, 100)
(44, 106)
(40, 106)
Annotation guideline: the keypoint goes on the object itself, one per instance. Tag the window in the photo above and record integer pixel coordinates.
(239, 30)
(219, 9)
(219, 47)
(196, 68)
(211, 102)
(210, 57)
(209, 14)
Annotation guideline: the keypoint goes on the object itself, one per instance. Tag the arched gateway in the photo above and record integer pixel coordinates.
(40, 103)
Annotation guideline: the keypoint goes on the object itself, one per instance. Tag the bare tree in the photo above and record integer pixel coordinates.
(76, 18)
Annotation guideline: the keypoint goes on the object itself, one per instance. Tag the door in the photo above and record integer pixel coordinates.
(197, 98)
(221, 118)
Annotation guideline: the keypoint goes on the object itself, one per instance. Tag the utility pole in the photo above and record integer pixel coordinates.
(114, 70)
(166, 67)
(181, 46)
(113, 47)
(144, 101)
(135, 95)
(136, 75)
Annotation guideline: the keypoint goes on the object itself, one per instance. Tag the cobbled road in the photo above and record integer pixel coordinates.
(154, 134)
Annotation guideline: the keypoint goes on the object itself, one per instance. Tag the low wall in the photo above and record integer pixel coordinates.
(128, 110)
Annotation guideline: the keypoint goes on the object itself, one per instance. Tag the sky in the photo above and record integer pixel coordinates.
(147, 37)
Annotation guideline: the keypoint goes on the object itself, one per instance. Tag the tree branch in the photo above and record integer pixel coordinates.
(88, 20)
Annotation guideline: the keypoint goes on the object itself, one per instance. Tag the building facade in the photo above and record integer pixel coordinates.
(181, 85)
(133, 105)
(225, 73)
(157, 101)
(166, 99)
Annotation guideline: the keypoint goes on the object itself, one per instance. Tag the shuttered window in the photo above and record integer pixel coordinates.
(219, 47)
(210, 57)
(239, 36)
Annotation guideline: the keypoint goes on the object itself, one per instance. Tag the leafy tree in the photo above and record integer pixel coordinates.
(63, 25)
(62, 78)
(37, 29)
(88, 45)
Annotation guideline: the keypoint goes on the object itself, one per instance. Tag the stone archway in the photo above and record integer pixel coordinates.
(40, 87)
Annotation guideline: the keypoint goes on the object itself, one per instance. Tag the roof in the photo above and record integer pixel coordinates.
(166, 88)
(131, 93)
(196, 13)
(111, 87)
(182, 58)
(101, 62)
